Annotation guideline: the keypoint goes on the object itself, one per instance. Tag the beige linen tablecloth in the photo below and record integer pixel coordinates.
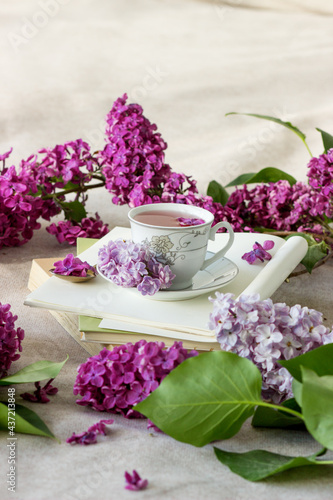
(63, 63)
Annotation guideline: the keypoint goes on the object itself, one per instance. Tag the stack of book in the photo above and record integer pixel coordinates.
(98, 313)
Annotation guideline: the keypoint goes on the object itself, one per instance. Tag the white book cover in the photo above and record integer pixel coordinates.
(102, 299)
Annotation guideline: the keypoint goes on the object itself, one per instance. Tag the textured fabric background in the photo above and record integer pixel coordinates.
(63, 63)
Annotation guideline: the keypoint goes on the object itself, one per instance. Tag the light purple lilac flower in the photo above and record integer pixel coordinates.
(115, 381)
(131, 264)
(41, 393)
(90, 436)
(266, 332)
(259, 252)
(10, 339)
(72, 266)
(134, 481)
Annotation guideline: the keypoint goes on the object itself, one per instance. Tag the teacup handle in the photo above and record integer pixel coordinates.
(223, 250)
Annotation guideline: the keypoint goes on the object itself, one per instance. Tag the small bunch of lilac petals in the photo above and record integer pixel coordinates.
(259, 252)
(131, 264)
(134, 481)
(73, 266)
(189, 222)
(41, 393)
(90, 436)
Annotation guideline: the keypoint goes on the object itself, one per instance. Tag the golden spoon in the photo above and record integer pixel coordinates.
(75, 279)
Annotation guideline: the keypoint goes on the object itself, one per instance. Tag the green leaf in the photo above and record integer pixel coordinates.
(288, 125)
(297, 391)
(319, 360)
(26, 421)
(35, 372)
(259, 464)
(327, 139)
(268, 174)
(270, 417)
(217, 192)
(242, 179)
(317, 406)
(314, 254)
(207, 397)
(74, 211)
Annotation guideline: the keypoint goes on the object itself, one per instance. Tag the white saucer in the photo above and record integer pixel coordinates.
(216, 276)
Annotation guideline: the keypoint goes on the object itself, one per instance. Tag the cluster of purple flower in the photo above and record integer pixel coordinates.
(10, 339)
(133, 163)
(90, 436)
(320, 175)
(278, 206)
(72, 266)
(31, 193)
(132, 167)
(68, 231)
(19, 210)
(115, 381)
(265, 333)
(131, 264)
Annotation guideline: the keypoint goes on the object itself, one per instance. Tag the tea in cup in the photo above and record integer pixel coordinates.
(178, 235)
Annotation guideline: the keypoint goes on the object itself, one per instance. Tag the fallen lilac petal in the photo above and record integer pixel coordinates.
(259, 252)
(268, 244)
(40, 394)
(134, 481)
(99, 427)
(90, 436)
(189, 222)
(83, 438)
(151, 425)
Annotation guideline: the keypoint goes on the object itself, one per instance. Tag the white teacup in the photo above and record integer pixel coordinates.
(182, 248)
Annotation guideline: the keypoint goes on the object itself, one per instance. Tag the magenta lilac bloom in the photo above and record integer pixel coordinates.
(72, 266)
(132, 168)
(115, 381)
(134, 481)
(131, 264)
(26, 193)
(90, 436)
(265, 333)
(320, 176)
(69, 231)
(133, 163)
(259, 252)
(40, 394)
(6, 155)
(10, 339)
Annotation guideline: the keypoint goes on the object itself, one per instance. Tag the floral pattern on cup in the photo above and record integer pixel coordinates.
(167, 247)
(161, 244)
